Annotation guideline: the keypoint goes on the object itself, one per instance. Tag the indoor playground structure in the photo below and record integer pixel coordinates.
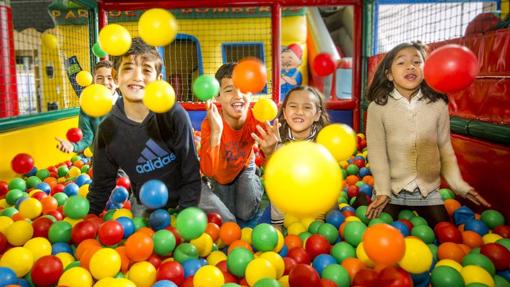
(48, 50)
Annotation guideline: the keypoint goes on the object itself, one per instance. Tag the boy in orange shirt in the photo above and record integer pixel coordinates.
(226, 153)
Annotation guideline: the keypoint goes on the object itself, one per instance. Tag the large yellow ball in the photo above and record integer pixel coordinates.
(476, 274)
(303, 179)
(159, 96)
(114, 39)
(39, 246)
(339, 139)
(19, 259)
(105, 263)
(157, 27)
(76, 277)
(417, 257)
(30, 208)
(49, 41)
(143, 274)
(259, 268)
(84, 78)
(96, 100)
(19, 232)
(265, 110)
(209, 276)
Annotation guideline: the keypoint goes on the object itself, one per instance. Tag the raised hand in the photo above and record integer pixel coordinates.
(269, 138)
(216, 123)
(64, 145)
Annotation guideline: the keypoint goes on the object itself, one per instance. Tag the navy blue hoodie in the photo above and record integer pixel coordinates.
(161, 147)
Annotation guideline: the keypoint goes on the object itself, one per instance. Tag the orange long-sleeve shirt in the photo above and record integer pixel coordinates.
(225, 161)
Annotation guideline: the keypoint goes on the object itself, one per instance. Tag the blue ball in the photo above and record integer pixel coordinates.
(59, 247)
(112, 205)
(154, 194)
(7, 276)
(505, 274)
(364, 171)
(477, 226)
(322, 261)
(335, 217)
(462, 215)
(284, 251)
(23, 283)
(119, 195)
(366, 189)
(164, 283)
(159, 219)
(71, 189)
(421, 280)
(20, 200)
(348, 208)
(82, 179)
(127, 224)
(401, 227)
(31, 172)
(191, 266)
(44, 187)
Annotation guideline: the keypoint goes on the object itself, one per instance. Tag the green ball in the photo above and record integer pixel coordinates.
(418, 220)
(61, 198)
(361, 213)
(42, 174)
(344, 173)
(13, 195)
(9, 211)
(375, 221)
(479, 260)
(33, 181)
(206, 87)
(60, 231)
(500, 281)
(352, 169)
(119, 275)
(505, 242)
(476, 284)
(264, 237)
(446, 194)
(17, 183)
(446, 276)
(97, 51)
(238, 260)
(164, 242)
(72, 265)
(492, 218)
(313, 228)
(475, 250)
(353, 232)
(185, 251)
(424, 232)
(76, 207)
(433, 248)
(85, 168)
(337, 274)
(267, 282)
(359, 183)
(138, 221)
(304, 235)
(386, 217)
(191, 223)
(329, 231)
(62, 171)
(342, 251)
(230, 285)
(75, 158)
(342, 199)
(406, 214)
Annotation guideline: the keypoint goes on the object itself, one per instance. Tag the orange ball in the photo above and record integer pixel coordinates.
(353, 265)
(49, 203)
(124, 260)
(472, 239)
(84, 246)
(139, 246)
(230, 232)
(87, 255)
(368, 179)
(451, 205)
(292, 241)
(250, 75)
(384, 244)
(213, 230)
(450, 250)
(352, 179)
(239, 243)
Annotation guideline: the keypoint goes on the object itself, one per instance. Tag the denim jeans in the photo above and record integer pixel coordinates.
(238, 199)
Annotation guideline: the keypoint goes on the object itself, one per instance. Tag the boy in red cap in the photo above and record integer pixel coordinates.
(290, 75)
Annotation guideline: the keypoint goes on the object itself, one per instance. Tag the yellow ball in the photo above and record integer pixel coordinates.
(19, 259)
(157, 27)
(96, 100)
(296, 228)
(450, 263)
(66, 258)
(5, 222)
(19, 232)
(84, 190)
(123, 282)
(159, 96)
(339, 139)
(122, 212)
(143, 274)
(352, 219)
(84, 78)
(215, 257)
(209, 276)
(88, 152)
(49, 41)
(476, 274)
(76, 277)
(259, 268)
(203, 244)
(303, 179)
(289, 219)
(74, 171)
(72, 221)
(105, 263)
(284, 281)
(307, 221)
(362, 255)
(277, 262)
(281, 241)
(105, 282)
(491, 238)
(39, 246)
(30, 208)
(246, 234)
(417, 257)
(265, 110)
(3, 203)
(114, 39)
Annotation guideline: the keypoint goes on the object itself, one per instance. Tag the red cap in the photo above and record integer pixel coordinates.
(296, 49)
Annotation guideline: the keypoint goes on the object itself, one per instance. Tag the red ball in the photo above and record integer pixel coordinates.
(352, 191)
(176, 234)
(229, 278)
(171, 270)
(124, 182)
(84, 230)
(222, 265)
(366, 278)
(22, 163)
(56, 214)
(41, 227)
(4, 244)
(303, 275)
(327, 283)
(503, 230)
(395, 277)
(57, 188)
(451, 68)
(408, 223)
(299, 255)
(155, 260)
(359, 163)
(4, 188)
(110, 232)
(46, 271)
(74, 135)
(213, 217)
(498, 254)
(289, 265)
(39, 195)
(250, 75)
(323, 64)
(316, 245)
(447, 232)
(188, 282)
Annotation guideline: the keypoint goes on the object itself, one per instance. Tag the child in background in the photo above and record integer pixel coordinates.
(300, 118)
(408, 139)
(88, 126)
(226, 152)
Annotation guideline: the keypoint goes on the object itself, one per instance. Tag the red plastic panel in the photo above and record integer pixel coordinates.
(485, 167)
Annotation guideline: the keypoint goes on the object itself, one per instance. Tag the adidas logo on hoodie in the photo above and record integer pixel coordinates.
(153, 157)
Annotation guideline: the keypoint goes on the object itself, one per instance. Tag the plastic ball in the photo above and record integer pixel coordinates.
(159, 96)
(417, 257)
(339, 139)
(265, 110)
(498, 254)
(110, 232)
(479, 260)
(259, 268)
(49, 41)
(291, 175)
(139, 246)
(97, 51)
(451, 68)
(476, 274)
(303, 276)
(191, 223)
(18, 259)
(159, 219)
(7, 276)
(105, 263)
(30, 208)
(323, 64)
(164, 242)
(128, 226)
(157, 27)
(205, 87)
(492, 218)
(114, 39)
(143, 274)
(39, 246)
(238, 260)
(250, 75)
(154, 194)
(477, 226)
(209, 276)
(19, 232)
(76, 277)
(60, 231)
(22, 163)
(96, 100)
(76, 207)
(84, 78)
(264, 237)
(384, 244)
(446, 276)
